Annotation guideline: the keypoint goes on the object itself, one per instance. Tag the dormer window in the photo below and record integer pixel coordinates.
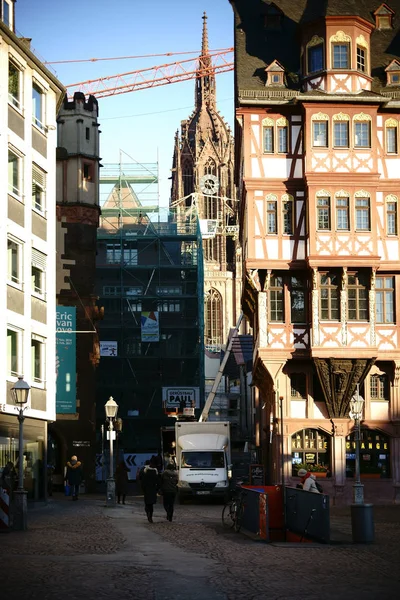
(6, 12)
(340, 51)
(275, 74)
(393, 73)
(384, 17)
(273, 18)
(315, 55)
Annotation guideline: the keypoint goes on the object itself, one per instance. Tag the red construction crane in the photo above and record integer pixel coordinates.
(131, 81)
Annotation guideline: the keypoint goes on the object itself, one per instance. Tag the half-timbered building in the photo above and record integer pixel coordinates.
(318, 168)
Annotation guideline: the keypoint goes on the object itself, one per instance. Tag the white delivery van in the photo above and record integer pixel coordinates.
(203, 456)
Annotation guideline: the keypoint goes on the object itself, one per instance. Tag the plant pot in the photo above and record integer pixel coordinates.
(318, 474)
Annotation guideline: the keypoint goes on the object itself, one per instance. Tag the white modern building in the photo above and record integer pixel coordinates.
(30, 96)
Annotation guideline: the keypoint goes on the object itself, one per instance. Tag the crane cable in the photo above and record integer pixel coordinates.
(80, 60)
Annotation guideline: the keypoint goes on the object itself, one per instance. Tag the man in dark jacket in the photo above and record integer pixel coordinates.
(73, 476)
(169, 482)
(150, 483)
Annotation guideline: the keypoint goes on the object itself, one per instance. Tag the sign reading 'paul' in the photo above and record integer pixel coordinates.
(66, 359)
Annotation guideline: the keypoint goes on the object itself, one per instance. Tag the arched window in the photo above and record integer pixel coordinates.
(374, 454)
(311, 450)
(187, 175)
(210, 168)
(213, 320)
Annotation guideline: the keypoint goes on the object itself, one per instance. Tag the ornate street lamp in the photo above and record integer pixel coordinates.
(20, 394)
(111, 410)
(356, 411)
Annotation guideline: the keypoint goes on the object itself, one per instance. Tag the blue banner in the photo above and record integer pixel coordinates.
(66, 359)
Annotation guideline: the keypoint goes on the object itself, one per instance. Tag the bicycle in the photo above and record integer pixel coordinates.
(232, 513)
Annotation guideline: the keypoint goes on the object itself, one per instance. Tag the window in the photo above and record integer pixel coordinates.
(287, 209)
(169, 306)
(320, 133)
(130, 255)
(363, 214)
(112, 290)
(324, 213)
(14, 347)
(6, 12)
(329, 288)
(87, 171)
(168, 290)
(87, 133)
(297, 300)
(268, 137)
(384, 299)
(374, 454)
(362, 134)
(133, 290)
(391, 215)
(379, 387)
(361, 59)
(342, 214)
(340, 56)
(391, 136)
(213, 320)
(357, 297)
(276, 299)
(272, 224)
(14, 173)
(283, 139)
(113, 254)
(310, 450)
(298, 385)
(14, 85)
(37, 106)
(14, 262)
(37, 271)
(38, 188)
(395, 78)
(341, 134)
(38, 359)
(315, 58)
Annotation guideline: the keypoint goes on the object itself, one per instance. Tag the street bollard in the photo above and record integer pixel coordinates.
(362, 523)
(5, 522)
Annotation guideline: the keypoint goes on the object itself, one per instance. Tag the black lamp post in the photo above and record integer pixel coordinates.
(111, 409)
(20, 394)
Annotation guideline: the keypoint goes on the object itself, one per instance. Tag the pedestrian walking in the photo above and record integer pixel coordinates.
(73, 476)
(169, 484)
(150, 482)
(8, 478)
(121, 481)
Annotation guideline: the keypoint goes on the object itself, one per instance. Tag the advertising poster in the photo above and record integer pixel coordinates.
(150, 327)
(108, 348)
(66, 359)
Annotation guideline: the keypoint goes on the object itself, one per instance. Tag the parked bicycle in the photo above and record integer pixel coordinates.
(232, 513)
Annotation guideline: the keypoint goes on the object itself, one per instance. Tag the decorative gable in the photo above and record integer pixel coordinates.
(393, 73)
(384, 17)
(275, 74)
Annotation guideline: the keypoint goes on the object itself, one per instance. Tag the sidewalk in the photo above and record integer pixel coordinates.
(83, 550)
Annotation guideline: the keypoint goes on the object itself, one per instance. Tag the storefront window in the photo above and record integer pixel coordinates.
(311, 450)
(374, 454)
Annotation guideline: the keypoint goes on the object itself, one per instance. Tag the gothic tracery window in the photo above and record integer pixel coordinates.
(213, 319)
(187, 175)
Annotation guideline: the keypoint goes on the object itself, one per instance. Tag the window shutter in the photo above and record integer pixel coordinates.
(38, 178)
(38, 259)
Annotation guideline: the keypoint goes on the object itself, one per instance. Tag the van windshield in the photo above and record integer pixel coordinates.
(203, 460)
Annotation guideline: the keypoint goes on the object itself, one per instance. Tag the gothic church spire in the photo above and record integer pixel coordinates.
(205, 84)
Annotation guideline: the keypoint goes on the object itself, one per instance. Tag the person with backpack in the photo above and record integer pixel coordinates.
(150, 482)
(169, 484)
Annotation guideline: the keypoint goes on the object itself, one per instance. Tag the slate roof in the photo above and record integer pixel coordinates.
(256, 47)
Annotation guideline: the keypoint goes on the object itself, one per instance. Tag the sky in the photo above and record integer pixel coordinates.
(141, 124)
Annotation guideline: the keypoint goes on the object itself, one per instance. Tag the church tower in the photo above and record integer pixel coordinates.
(202, 181)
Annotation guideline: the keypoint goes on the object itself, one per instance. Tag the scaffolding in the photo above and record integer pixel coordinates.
(149, 261)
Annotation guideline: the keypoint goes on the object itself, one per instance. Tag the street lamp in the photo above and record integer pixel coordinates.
(111, 409)
(362, 518)
(20, 394)
(356, 409)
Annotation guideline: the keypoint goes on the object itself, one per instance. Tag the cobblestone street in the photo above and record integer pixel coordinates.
(82, 550)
